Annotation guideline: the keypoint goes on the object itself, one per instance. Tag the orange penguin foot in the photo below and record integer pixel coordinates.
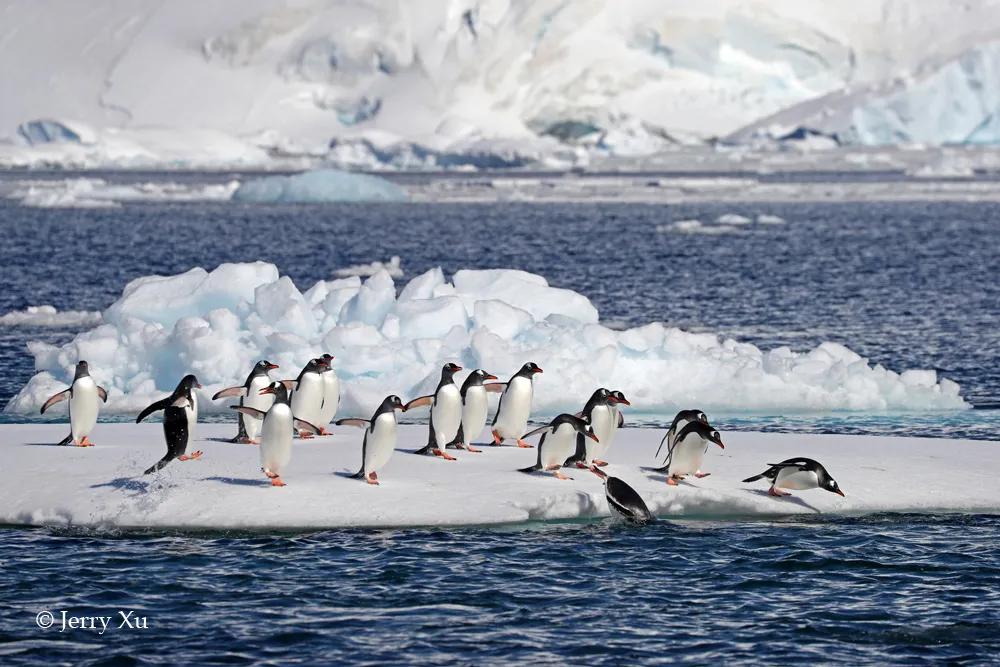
(372, 478)
(443, 454)
(305, 435)
(701, 475)
(276, 481)
(776, 493)
(599, 462)
(672, 481)
(524, 445)
(497, 440)
(559, 475)
(190, 457)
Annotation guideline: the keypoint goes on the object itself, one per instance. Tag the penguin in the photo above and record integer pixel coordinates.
(623, 500)
(558, 442)
(619, 420)
(688, 451)
(83, 393)
(277, 426)
(600, 412)
(176, 422)
(331, 395)
(798, 474)
(681, 419)
(308, 394)
(446, 413)
(251, 396)
(380, 438)
(475, 407)
(512, 414)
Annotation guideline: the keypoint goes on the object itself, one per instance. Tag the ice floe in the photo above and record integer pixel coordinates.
(218, 323)
(393, 267)
(48, 316)
(99, 193)
(319, 186)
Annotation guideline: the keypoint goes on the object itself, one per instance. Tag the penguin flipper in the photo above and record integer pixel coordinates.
(663, 440)
(230, 392)
(353, 421)
(534, 432)
(495, 387)
(159, 464)
(162, 404)
(250, 412)
(103, 393)
(55, 398)
(621, 420)
(303, 425)
(419, 402)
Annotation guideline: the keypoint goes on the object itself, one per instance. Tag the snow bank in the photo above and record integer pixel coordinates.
(99, 193)
(103, 487)
(218, 324)
(320, 186)
(48, 316)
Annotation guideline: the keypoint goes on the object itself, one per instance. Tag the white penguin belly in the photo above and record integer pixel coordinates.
(474, 413)
(308, 398)
(688, 455)
(83, 407)
(381, 443)
(796, 480)
(558, 446)
(331, 398)
(276, 439)
(515, 408)
(673, 434)
(255, 400)
(603, 420)
(446, 414)
(191, 412)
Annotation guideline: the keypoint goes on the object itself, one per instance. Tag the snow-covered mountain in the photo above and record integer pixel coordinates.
(467, 83)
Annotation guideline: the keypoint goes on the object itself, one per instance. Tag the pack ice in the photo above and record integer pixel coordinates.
(218, 323)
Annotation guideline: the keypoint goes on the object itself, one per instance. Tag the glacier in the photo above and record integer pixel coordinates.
(318, 186)
(473, 84)
(218, 323)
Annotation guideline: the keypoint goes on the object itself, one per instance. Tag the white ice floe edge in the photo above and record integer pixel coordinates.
(103, 486)
(49, 316)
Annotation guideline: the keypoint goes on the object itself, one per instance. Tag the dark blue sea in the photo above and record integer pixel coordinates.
(907, 284)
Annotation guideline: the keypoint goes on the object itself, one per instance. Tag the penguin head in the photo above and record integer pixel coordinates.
(588, 431)
(278, 390)
(187, 384)
(82, 370)
(264, 366)
(482, 375)
(580, 424)
(391, 402)
(619, 397)
(714, 436)
(328, 358)
(702, 417)
(830, 484)
(449, 370)
(529, 369)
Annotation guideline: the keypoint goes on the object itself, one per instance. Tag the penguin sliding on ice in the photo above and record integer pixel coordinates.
(623, 500)
(558, 443)
(681, 419)
(380, 438)
(331, 395)
(446, 413)
(601, 413)
(83, 405)
(251, 396)
(308, 393)
(475, 407)
(688, 451)
(798, 474)
(177, 410)
(512, 414)
(277, 426)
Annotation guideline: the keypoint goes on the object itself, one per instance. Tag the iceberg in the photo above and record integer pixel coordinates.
(318, 186)
(218, 323)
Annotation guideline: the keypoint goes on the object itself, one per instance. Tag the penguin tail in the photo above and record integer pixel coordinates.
(426, 449)
(158, 465)
(530, 469)
(754, 478)
(68, 439)
(359, 474)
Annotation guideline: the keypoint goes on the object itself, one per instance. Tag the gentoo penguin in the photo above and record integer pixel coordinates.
(331, 395)
(83, 405)
(380, 438)
(798, 474)
(446, 413)
(277, 425)
(623, 500)
(176, 422)
(308, 393)
(619, 420)
(512, 415)
(475, 407)
(601, 413)
(558, 442)
(688, 451)
(251, 397)
(681, 419)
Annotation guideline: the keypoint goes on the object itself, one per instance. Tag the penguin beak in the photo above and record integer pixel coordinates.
(538, 370)
(266, 390)
(197, 385)
(457, 367)
(593, 437)
(840, 493)
(489, 376)
(719, 443)
(271, 367)
(623, 401)
(597, 471)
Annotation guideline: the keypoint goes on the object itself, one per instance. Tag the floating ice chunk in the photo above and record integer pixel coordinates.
(319, 186)
(48, 316)
(392, 267)
(733, 219)
(768, 219)
(695, 227)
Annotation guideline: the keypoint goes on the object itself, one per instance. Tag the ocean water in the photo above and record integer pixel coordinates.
(879, 589)
(907, 284)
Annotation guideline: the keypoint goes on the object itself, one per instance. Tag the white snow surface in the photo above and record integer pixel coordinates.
(102, 486)
(218, 323)
(49, 316)
(473, 83)
(98, 193)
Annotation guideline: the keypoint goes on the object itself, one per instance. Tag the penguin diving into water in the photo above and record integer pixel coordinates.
(176, 422)
(475, 407)
(83, 405)
(623, 500)
(251, 396)
(558, 443)
(380, 438)
(798, 474)
(512, 414)
(446, 413)
(277, 426)
(685, 456)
